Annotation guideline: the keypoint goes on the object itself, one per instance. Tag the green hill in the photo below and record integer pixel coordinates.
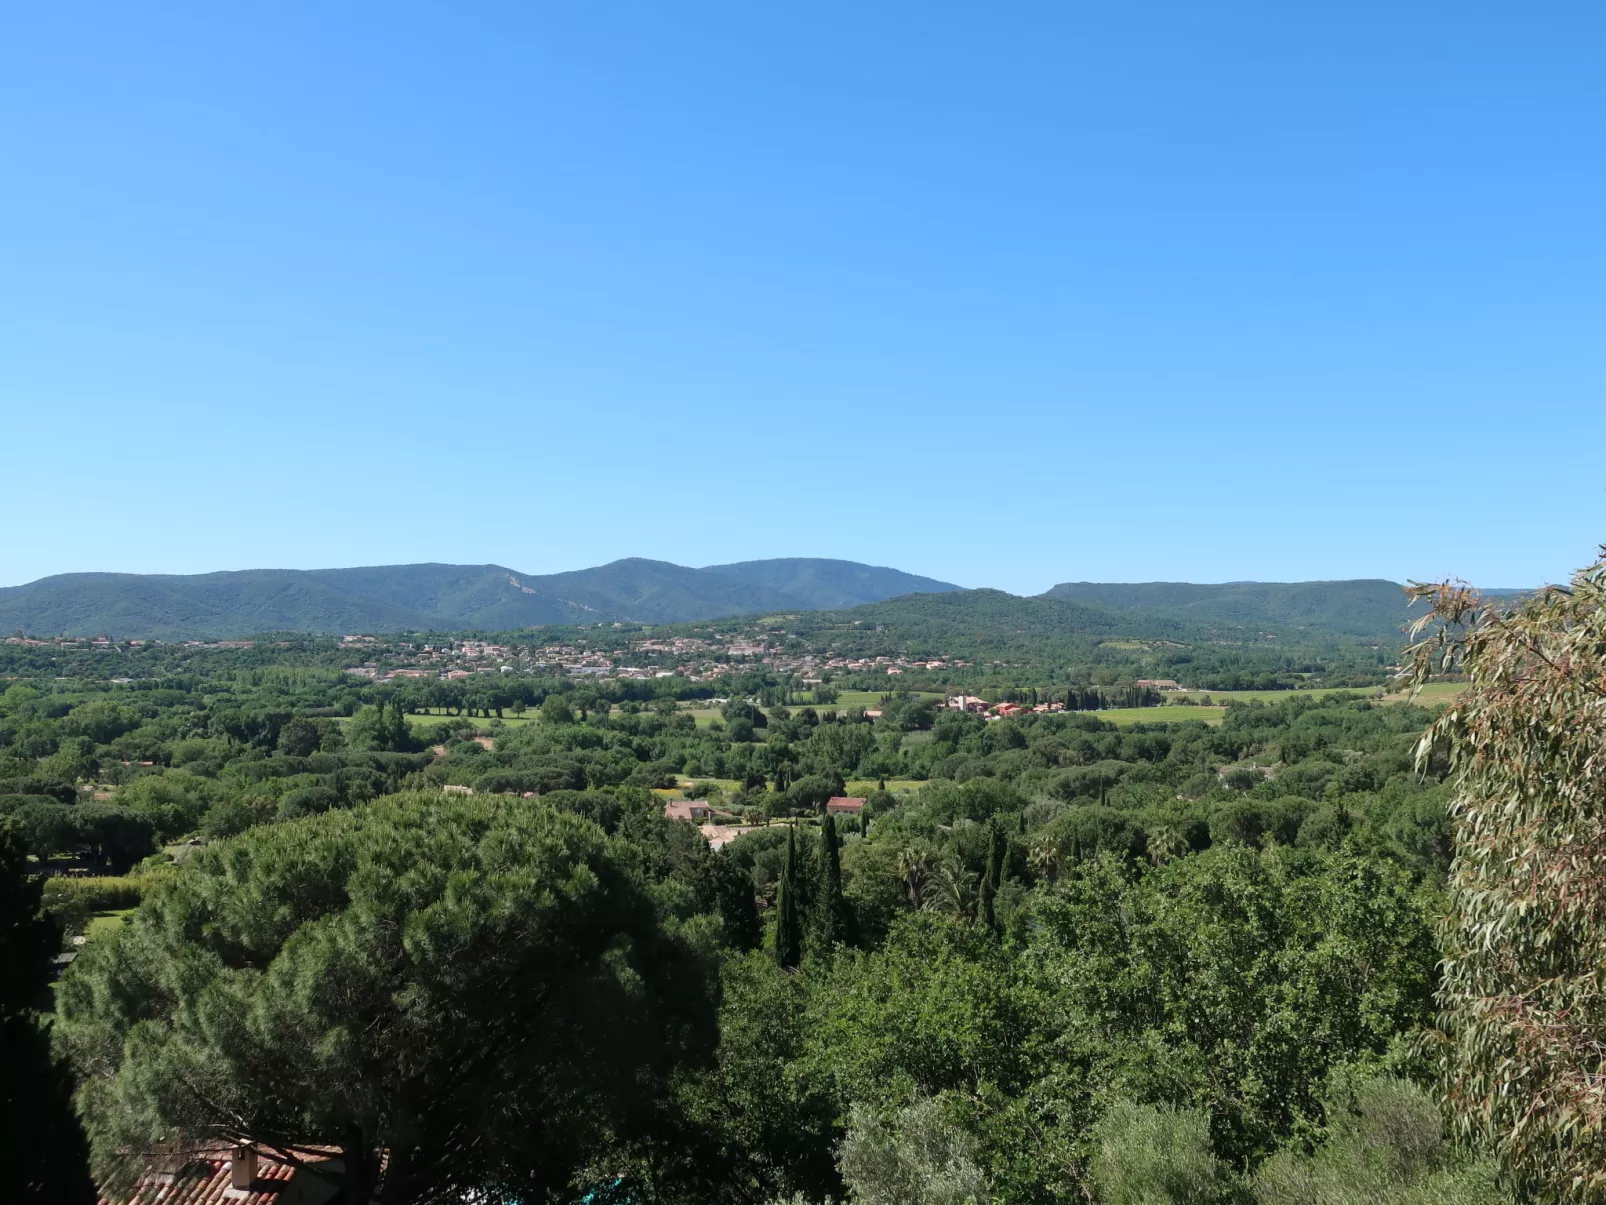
(827, 585)
(429, 597)
(1365, 607)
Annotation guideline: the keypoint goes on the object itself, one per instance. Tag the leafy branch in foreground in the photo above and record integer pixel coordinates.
(1522, 997)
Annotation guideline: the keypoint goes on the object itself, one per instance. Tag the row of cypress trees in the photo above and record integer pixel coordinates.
(811, 914)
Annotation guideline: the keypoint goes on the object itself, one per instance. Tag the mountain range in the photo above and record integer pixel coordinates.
(433, 597)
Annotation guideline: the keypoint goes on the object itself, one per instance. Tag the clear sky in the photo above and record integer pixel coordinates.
(1005, 294)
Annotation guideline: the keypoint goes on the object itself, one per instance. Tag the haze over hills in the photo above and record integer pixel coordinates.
(435, 597)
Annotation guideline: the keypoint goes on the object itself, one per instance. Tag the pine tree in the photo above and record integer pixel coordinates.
(788, 940)
(43, 1154)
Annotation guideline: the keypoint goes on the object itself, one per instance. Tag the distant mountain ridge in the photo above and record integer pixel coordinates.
(436, 597)
(1357, 607)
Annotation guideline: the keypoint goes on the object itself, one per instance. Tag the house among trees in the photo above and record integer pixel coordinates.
(688, 809)
(844, 805)
(967, 703)
(231, 1176)
(1159, 683)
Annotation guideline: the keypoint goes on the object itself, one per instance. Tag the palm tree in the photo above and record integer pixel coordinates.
(1166, 844)
(954, 890)
(913, 869)
(1045, 859)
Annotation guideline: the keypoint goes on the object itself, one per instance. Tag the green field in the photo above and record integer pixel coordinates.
(1124, 716)
(103, 924)
(1272, 696)
(435, 717)
(859, 787)
(1431, 694)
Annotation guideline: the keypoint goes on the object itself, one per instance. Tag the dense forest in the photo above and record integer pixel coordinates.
(460, 943)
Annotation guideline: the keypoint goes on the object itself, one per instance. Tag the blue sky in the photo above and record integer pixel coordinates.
(1004, 294)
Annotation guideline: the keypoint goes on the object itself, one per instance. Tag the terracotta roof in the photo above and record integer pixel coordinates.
(205, 1180)
(687, 809)
(844, 803)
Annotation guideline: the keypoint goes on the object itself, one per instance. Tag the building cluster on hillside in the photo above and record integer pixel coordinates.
(106, 644)
(695, 658)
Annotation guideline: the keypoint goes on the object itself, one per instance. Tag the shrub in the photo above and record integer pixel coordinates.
(308, 801)
(918, 1158)
(1386, 1144)
(1150, 1156)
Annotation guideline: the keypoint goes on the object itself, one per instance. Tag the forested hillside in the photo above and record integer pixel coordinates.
(421, 598)
(828, 585)
(1369, 608)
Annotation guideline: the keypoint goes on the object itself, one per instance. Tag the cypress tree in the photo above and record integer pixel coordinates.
(831, 921)
(397, 736)
(999, 855)
(788, 941)
(991, 878)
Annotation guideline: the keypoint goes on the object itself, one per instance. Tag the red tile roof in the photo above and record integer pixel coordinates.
(844, 803)
(205, 1180)
(688, 809)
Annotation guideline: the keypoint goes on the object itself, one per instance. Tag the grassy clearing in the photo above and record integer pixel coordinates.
(1274, 696)
(1126, 716)
(1431, 694)
(103, 924)
(727, 786)
(858, 787)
